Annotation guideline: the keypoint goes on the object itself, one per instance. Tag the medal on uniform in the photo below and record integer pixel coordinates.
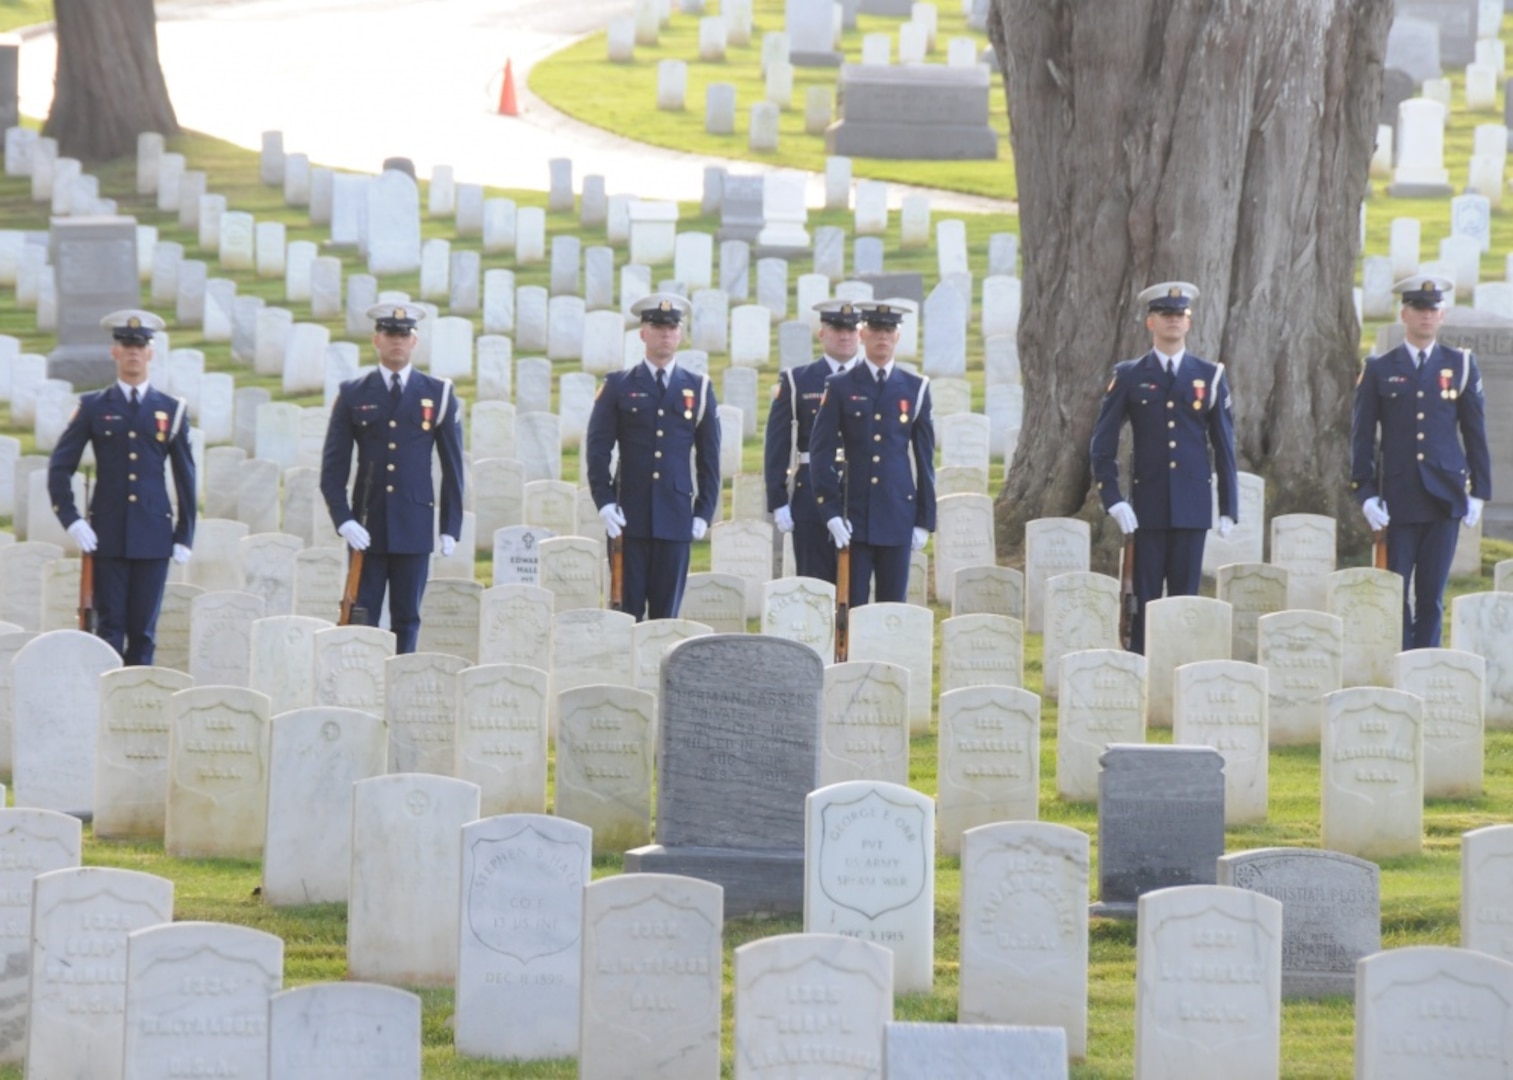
(162, 421)
(427, 409)
(1445, 375)
(687, 404)
(1199, 389)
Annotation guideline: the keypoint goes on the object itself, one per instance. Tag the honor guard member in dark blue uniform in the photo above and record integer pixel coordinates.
(132, 530)
(1178, 408)
(666, 486)
(795, 401)
(1435, 469)
(396, 417)
(880, 416)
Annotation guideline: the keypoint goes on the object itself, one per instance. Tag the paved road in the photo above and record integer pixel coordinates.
(351, 82)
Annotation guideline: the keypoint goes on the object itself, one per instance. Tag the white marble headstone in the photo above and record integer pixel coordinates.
(869, 869)
(403, 900)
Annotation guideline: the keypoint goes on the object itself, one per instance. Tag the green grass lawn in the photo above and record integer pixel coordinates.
(582, 82)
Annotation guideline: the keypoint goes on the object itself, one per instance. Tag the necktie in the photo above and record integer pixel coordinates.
(135, 401)
(394, 388)
(661, 379)
(1422, 356)
(882, 376)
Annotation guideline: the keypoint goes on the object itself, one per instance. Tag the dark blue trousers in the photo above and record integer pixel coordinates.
(813, 550)
(128, 596)
(655, 573)
(404, 576)
(889, 565)
(1422, 552)
(1168, 562)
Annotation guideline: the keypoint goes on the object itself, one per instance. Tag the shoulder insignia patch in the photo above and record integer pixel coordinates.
(777, 389)
(1110, 388)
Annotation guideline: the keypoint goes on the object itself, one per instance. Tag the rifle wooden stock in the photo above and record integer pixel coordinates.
(1129, 603)
(1379, 549)
(842, 604)
(349, 609)
(617, 574)
(87, 593)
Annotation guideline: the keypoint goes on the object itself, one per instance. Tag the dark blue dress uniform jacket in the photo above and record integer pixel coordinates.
(666, 439)
(799, 391)
(889, 439)
(1175, 420)
(1426, 470)
(394, 444)
(130, 510)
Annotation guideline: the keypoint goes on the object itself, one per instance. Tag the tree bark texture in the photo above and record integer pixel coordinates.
(110, 85)
(1221, 142)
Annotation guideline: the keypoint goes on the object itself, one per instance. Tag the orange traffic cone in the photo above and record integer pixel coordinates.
(508, 106)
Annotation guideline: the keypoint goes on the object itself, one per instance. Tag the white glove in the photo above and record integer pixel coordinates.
(1376, 513)
(448, 545)
(180, 554)
(840, 531)
(355, 535)
(85, 536)
(1226, 526)
(920, 539)
(1473, 512)
(614, 519)
(700, 528)
(782, 517)
(1124, 515)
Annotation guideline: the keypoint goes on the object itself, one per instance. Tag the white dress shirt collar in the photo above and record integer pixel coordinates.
(651, 369)
(404, 376)
(127, 388)
(1170, 363)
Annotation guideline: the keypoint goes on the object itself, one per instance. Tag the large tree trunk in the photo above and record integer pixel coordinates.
(1222, 142)
(110, 84)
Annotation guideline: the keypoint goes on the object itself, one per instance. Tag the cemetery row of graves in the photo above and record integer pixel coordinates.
(528, 697)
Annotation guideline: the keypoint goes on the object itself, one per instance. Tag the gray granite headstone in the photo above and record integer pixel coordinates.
(739, 752)
(1160, 822)
(96, 268)
(920, 111)
(1331, 912)
(1397, 87)
(10, 69)
(900, 285)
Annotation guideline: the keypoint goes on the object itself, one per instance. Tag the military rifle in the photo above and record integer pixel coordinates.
(617, 562)
(351, 613)
(1129, 603)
